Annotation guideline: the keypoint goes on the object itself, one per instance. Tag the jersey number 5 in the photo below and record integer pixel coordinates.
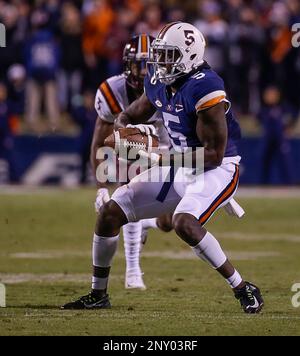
(189, 37)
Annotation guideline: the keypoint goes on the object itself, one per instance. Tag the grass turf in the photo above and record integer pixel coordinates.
(45, 241)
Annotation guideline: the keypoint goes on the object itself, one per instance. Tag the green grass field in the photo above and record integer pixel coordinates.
(45, 241)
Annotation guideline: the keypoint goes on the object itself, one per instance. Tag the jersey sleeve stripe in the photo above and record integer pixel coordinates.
(211, 103)
(224, 195)
(110, 98)
(210, 99)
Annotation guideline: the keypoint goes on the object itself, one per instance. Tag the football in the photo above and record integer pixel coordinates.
(131, 138)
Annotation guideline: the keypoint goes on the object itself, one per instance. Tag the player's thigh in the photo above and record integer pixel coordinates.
(142, 199)
(209, 192)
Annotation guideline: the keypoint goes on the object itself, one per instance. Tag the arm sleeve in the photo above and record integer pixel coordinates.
(106, 103)
(103, 109)
(208, 92)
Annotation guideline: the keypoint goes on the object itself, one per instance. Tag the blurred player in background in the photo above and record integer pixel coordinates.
(83, 113)
(7, 131)
(196, 112)
(277, 119)
(113, 96)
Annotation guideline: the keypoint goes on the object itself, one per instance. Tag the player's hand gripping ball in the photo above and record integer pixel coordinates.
(137, 137)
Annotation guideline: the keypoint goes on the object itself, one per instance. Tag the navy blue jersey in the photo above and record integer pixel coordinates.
(199, 91)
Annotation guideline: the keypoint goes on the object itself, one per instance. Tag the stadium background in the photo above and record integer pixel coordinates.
(47, 115)
(46, 123)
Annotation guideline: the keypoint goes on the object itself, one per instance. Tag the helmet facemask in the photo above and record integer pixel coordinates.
(135, 71)
(166, 60)
(135, 57)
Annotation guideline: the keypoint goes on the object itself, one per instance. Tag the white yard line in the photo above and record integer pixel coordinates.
(49, 254)
(260, 237)
(243, 192)
(35, 313)
(233, 255)
(268, 192)
(15, 278)
(173, 255)
(29, 190)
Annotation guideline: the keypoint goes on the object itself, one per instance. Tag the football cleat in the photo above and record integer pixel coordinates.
(89, 301)
(250, 298)
(134, 281)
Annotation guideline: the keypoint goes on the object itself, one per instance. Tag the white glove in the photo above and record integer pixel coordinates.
(153, 157)
(101, 198)
(146, 129)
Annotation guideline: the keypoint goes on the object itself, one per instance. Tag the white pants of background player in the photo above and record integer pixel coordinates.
(200, 196)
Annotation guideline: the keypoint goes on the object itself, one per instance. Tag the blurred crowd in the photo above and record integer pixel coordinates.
(65, 47)
(59, 51)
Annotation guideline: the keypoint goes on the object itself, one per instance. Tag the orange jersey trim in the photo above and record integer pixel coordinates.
(211, 102)
(110, 98)
(223, 196)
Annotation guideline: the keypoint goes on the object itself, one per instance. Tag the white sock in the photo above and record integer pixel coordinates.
(210, 251)
(104, 249)
(149, 223)
(234, 280)
(132, 241)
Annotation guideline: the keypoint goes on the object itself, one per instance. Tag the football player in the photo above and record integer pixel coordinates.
(196, 111)
(113, 96)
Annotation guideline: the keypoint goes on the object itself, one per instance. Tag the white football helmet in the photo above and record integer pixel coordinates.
(177, 50)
